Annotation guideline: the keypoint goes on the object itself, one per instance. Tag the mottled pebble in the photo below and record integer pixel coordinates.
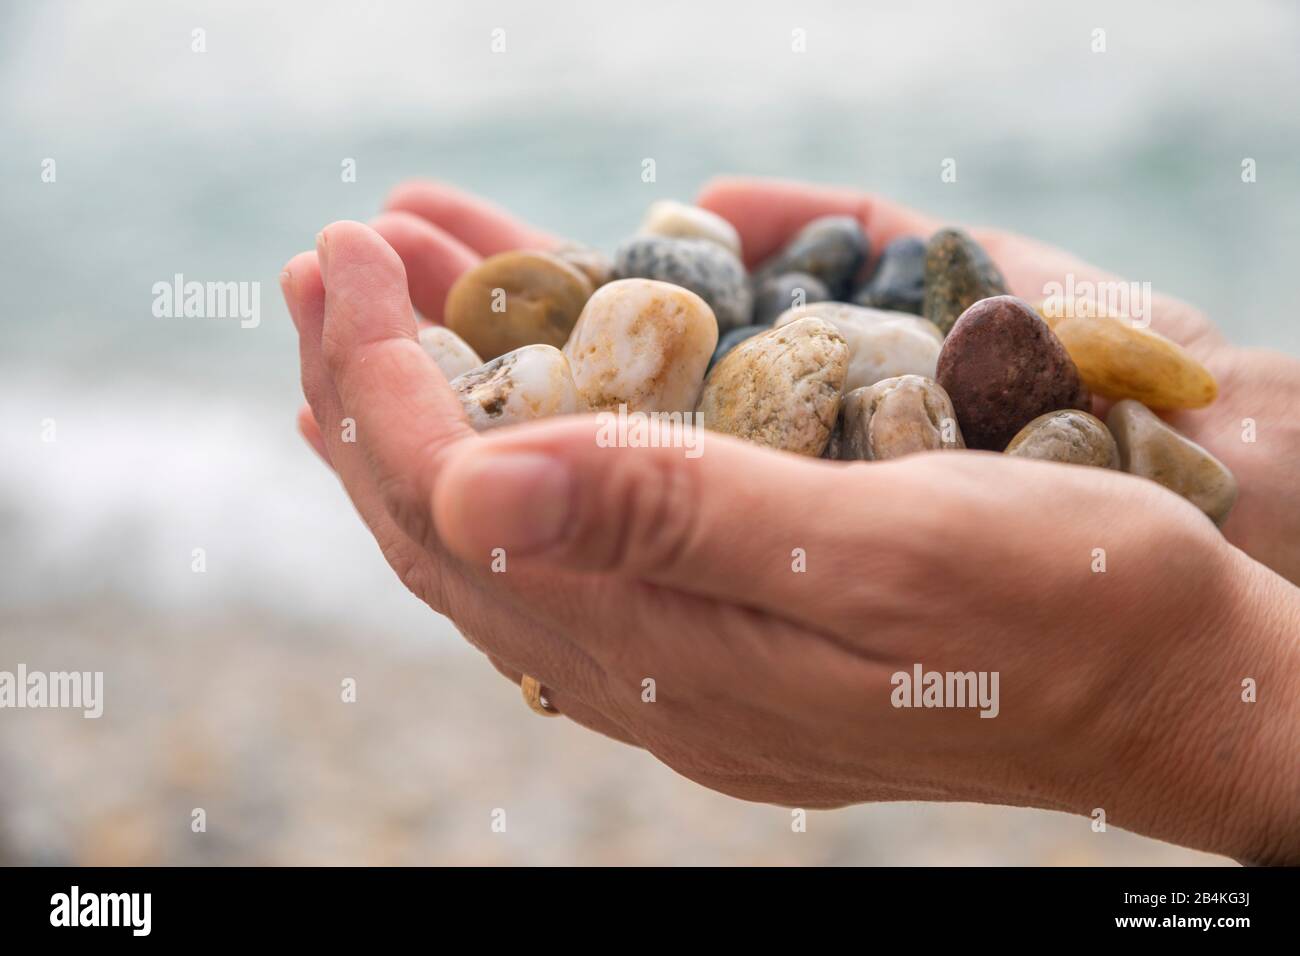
(1151, 448)
(832, 248)
(449, 350)
(529, 383)
(1118, 360)
(881, 344)
(643, 344)
(895, 417)
(677, 220)
(958, 273)
(515, 299)
(1070, 436)
(790, 290)
(898, 284)
(704, 267)
(780, 388)
(592, 263)
(1002, 367)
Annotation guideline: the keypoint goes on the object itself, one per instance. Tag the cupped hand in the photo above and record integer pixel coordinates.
(742, 614)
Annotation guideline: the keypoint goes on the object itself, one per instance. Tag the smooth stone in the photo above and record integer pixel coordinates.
(592, 263)
(643, 344)
(1070, 436)
(449, 350)
(1119, 360)
(898, 284)
(896, 417)
(704, 267)
(1150, 448)
(515, 299)
(678, 220)
(1002, 367)
(832, 248)
(780, 388)
(529, 383)
(881, 344)
(845, 315)
(958, 273)
(790, 290)
(729, 340)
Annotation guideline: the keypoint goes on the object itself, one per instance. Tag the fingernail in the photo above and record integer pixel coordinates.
(521, 500)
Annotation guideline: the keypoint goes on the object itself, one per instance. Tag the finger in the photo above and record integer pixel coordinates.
(310, 431)
(481, 226)
(405, 414)
(767, 212)
(432, 258)
(731, 523)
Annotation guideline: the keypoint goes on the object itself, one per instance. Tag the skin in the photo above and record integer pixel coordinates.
(1119, 690)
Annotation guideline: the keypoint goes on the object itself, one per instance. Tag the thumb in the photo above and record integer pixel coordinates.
(731, 521)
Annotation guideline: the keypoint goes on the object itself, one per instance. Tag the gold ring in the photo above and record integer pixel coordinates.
(538, 704)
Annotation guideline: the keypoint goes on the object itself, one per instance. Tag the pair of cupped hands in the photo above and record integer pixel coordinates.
(1120, 690)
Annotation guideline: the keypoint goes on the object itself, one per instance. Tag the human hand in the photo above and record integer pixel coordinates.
(627, 564)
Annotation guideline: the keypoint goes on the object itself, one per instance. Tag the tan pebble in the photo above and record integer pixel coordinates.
(449, 350)
(1151, 448)
(1070, 436)
(780, 388)
(677, 220)
(644, 344)
(895, 417)
(592, 263)
(1118, 359)
(515, 299)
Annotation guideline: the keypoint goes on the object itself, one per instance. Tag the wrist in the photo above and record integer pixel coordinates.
(1212, 757)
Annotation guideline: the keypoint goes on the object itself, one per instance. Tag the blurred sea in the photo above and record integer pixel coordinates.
(176, 434)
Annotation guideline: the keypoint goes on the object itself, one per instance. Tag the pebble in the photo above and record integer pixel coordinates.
(592, 263)
(449, 350)
(780, 388)
(790, 290)
(678, 220)
(515, 299)
(526, 384)
(1002, 367)
(958, 273)
(832, 248)
(896, 417)
(898, 284)
(1150, 448)
(644, 344)
(1119, 360)
(1070, 436)
(881, 344)
(730, 340)
(706, 268)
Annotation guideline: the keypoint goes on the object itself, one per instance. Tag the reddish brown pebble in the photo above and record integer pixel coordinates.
(1002, 367)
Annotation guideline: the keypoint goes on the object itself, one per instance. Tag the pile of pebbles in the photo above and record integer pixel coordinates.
(925, 352)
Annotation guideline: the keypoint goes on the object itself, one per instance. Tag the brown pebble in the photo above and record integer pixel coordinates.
(1002, 367)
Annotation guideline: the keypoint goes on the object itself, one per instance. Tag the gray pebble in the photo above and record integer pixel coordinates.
(832, 248)
(898, 284)
(702, 266)
(776, 294)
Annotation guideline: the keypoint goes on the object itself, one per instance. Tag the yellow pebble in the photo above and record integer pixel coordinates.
(1119, 360)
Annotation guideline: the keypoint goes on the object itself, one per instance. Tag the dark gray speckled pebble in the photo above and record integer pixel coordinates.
(958, 273)
(790, 290)
(898, 284)
(704, 267)
(832, 248)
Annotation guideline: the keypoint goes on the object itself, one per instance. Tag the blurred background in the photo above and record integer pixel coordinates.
(222, 688)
